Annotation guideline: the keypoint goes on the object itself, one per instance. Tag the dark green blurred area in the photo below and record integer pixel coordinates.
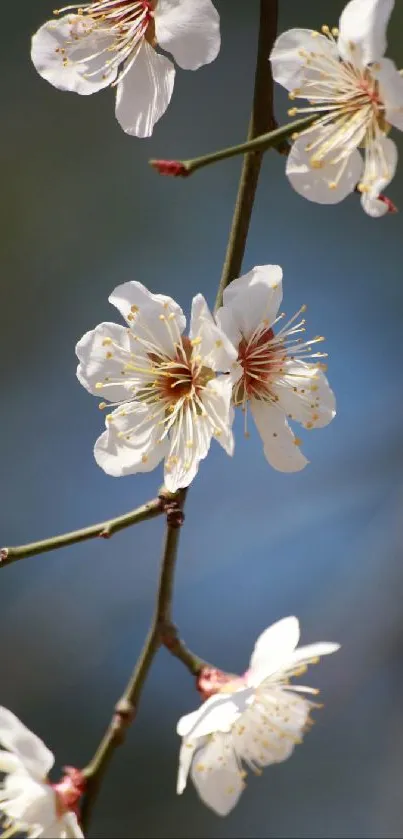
(81, 213)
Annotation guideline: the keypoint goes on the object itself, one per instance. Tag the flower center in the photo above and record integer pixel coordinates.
(261, 359)
(124, 23)
(180, 377)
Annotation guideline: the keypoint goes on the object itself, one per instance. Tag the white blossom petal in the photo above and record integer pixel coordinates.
(390, 91)
(69, 63)
(253, 298)
(144, 92)
(216, 714)
(216, 775)
(130, 443)
(18, 739)
(155, 317)
(362, 30)
(213, 344)
(217, 402)
(280, 445)
(380, 167)
(274, 646)
(186, 753)
(289, 54)
(315, 184)
(189, 30)
(312, 651)
(190, 440)
(304, 394)
(70, 827)
(103, 352)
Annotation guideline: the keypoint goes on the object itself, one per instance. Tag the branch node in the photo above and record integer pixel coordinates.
(170, 167)
(122, 719)
(3, 554)
(105, 534)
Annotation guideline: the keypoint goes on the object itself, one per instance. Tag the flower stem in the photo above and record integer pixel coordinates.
(161, 633)
(104, 530)
(273, 139)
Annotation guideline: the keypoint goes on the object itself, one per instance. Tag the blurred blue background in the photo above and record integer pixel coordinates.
(82, 212)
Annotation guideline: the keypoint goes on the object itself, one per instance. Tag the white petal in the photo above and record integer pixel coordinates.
(254, 297)
(280, 447)
(32, 802)
(380, 167)
(228, 324)
(214, 346)
(154, 317)
(216, 775)
(18, 739)
(190, 30)
(186, 753)
(305, 396)
(61, 52)
(10, 763)
(374, 207)
(217, 401)
(288, 57)
(390, 91)
(306, 654)
(216, 714)
(99, 359)
(190, 440)
(70, 827)
(144, 92)
(313, 183)
(130, 443)
(269, 730)
(362, 29)
(272, 649)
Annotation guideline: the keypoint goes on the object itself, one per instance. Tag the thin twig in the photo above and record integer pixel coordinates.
(262, 143)
(262, 120)
(161, 630)
(104, 529)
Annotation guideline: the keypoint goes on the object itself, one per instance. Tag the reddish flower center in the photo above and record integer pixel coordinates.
(69, 791)
(261, 359)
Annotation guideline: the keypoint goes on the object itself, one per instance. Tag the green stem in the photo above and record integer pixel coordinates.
(268, 140)
(104, 529)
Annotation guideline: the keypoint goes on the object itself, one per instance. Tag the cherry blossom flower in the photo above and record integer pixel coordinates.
(168, 400)
(113, 42)
(30, 805)
(358, 95)
(274, 377)
(252, 721)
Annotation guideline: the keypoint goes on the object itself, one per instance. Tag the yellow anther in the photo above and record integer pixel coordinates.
(99, 385)
(332, 185)
(109, 355)
(195, 342)
(109, 418)
(309, 425)
(325, 29)
(292, 112)
(335, 32)
(219, 343)
(130, 317)
(102, 405)
(295, 135)
(134, 308)
(144, 458)
(316, 163)
(106, 342)
(162, 317)
(297, 441)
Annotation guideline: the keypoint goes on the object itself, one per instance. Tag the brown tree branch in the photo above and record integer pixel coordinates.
(262, 120)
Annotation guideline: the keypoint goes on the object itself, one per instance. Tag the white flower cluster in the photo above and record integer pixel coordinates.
(171, 393)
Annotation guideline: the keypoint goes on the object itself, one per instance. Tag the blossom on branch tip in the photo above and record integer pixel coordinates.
(30, 805)
(357, 95)
(113, 43)
(252, 721)
(169, 401)
(279, 375)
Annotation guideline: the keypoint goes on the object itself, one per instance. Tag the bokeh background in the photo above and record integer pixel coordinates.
(80, 213)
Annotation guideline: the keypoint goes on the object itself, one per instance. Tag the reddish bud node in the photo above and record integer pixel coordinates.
(3, 554)
(106, 534)
(210, 681)
(69, 790)
(170, 167)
